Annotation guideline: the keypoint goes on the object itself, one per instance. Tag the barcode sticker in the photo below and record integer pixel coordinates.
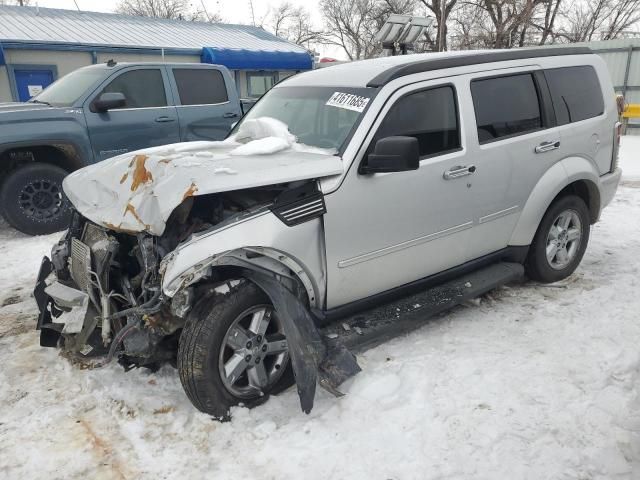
(348, 101)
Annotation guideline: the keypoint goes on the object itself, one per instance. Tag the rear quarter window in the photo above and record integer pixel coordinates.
(200, 86)
(576, 93)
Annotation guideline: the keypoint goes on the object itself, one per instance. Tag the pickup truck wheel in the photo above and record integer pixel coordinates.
(33, 201)
(233, 351)
(560, 241)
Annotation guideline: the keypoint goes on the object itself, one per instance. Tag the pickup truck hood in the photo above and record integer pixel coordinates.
(21, 107)
(137, 191)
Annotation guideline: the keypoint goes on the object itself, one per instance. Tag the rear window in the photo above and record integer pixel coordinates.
(200, 86)
(506, 106)
(576, 93)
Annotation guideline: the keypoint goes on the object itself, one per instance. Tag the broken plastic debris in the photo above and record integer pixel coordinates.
(346, 327)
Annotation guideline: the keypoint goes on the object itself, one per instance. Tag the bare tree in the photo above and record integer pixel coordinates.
(599, 19)
(353, 24)
(21, 3)
(170, 9)
(294, 24)
(441, 10)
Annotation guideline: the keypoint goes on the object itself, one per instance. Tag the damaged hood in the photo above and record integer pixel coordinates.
(137, 192)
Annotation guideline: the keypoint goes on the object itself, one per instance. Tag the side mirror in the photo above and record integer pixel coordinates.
(109, 101)
(393, 154)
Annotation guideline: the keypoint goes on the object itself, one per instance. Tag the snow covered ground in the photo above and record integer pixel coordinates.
(537, 382)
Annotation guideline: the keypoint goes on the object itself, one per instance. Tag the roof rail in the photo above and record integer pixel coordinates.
(440, 63)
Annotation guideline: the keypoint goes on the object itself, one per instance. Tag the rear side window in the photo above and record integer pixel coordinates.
(141, 88)
(430, 116)
(506, 106)
(575, 92)
(200, 86)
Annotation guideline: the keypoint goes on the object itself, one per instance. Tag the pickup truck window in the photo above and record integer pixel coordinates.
(430, 116)
(66, 91)
(197, 86)
(317, 116)
(142, 88)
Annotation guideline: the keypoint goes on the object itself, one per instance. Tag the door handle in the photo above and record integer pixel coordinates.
(165, 119)
(547, 146)
(459, 171)
(230, 115)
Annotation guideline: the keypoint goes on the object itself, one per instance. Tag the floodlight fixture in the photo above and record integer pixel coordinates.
(403, 31)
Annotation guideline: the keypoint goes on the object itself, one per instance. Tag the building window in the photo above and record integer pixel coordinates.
(259, 83)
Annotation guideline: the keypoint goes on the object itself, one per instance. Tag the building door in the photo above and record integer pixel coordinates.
(30, 82)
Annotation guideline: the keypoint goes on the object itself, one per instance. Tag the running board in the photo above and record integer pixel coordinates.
(377, 325)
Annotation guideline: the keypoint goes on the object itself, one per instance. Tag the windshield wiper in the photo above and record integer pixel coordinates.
(39, 101)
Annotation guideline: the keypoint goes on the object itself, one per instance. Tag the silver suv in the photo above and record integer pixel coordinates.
(350, 203)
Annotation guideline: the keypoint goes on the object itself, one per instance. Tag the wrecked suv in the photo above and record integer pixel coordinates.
(375, 193)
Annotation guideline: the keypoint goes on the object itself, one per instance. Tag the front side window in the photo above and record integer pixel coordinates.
(575, 92)
(141, 88)
(430, 116)
(198, 86)
(506, 106)
(260, 83)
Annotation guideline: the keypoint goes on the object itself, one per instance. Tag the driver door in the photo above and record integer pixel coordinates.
(146, 120)
(386, 230)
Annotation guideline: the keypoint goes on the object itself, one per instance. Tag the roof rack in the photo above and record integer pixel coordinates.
(440, 63)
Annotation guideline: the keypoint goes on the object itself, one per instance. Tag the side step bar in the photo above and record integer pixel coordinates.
(372, 327)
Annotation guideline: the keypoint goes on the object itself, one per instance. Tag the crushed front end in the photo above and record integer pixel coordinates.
(101, 290)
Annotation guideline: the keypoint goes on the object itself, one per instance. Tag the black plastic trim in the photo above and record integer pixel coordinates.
(475, 59)
(299, 205)
(510, 254)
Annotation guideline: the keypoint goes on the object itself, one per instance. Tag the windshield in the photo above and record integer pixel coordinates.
(318, 116)
(65, 92)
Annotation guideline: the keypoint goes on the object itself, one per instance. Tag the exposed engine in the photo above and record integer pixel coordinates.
(103, 290)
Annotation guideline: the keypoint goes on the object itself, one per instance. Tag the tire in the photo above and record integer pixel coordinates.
(203, 350)
(33, 201)
(553, 236)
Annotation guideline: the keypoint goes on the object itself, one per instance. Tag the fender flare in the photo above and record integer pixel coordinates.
(557, 178)
(261, 259)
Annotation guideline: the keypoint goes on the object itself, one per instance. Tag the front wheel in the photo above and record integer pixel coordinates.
(560, 241)
(233, 350)
(33, 201)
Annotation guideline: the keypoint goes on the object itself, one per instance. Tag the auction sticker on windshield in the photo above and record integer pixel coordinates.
(348, 101)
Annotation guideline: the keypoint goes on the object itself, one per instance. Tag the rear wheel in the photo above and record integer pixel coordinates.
(233, 350)
(33, 201)
(560, 241)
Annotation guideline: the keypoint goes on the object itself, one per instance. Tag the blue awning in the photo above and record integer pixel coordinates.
(239, 59)
(2, 62)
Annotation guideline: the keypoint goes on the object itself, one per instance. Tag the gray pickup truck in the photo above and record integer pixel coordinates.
(95, 113)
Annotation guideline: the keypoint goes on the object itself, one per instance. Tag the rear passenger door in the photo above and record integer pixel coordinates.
(207, 102)
(513, 144)
(146, 120)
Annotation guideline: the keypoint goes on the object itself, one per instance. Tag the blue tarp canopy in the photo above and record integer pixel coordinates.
(239, 59)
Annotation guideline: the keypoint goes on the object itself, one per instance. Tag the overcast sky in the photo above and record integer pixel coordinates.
(233, 11)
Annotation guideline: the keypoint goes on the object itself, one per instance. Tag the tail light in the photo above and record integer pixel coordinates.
(617, 136)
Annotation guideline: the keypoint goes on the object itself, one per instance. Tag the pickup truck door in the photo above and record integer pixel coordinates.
(148, 119)
(206, 101)
(386, 230)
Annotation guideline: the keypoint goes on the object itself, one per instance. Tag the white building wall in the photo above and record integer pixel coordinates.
(65, 61)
